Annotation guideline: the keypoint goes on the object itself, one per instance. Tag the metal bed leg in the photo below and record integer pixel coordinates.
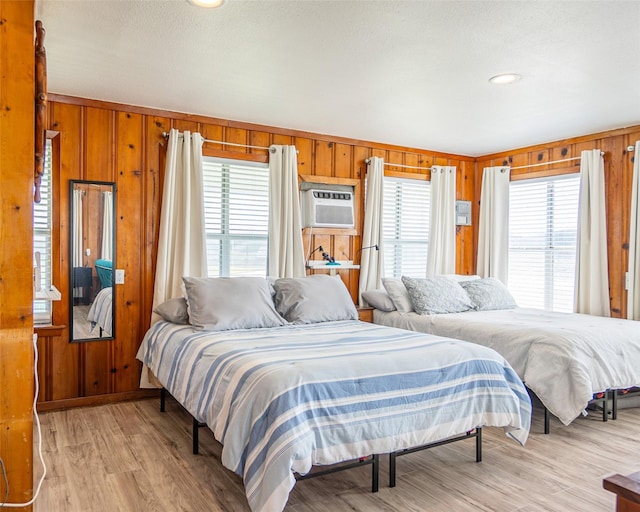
(614, 404)
(196, 426)
(546, 420)
(605, 406)
(163, 396)
(394, 455)
(375, 473)
(392, 469)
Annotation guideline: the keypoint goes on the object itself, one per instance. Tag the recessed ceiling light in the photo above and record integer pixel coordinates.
(206, 3)
(504, 78)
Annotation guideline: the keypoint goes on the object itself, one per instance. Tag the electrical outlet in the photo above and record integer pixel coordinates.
(119, 276)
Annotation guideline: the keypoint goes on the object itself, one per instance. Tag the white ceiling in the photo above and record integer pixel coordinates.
(411, 73)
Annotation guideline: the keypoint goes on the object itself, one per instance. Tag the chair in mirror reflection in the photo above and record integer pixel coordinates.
(92, 255)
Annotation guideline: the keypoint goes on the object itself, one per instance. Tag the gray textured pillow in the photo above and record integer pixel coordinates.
(224, 303)
(379, 299)
(398, 293)
(437, 294)
(312, 299)
(488, 294)
(174, 310)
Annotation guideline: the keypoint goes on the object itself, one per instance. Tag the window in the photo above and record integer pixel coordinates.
(405, 225)
(42, 235)
(236, 209)
(543, 227)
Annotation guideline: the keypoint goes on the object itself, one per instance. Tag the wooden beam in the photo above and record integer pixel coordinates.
(17, 111)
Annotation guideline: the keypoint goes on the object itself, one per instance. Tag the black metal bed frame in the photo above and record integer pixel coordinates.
(373, 460)
(610, 394)
(477, 433)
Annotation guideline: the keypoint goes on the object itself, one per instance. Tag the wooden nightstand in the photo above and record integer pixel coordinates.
(365, 314)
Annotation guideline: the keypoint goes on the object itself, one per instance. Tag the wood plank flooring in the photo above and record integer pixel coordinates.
(130, 457)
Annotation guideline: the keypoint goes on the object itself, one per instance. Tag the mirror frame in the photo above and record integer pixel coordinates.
(72, 185)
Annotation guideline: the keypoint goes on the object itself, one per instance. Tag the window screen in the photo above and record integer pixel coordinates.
(236, 205)
(406, 226)
(543, 225)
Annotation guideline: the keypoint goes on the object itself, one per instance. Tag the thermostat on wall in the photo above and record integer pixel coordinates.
(463, 213)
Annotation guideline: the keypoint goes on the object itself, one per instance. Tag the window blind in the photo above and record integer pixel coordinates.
(236, 204)
(543, 226)
(405, 219)
(42, 237)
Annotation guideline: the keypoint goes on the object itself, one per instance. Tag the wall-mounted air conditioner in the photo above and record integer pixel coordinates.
(327, 208)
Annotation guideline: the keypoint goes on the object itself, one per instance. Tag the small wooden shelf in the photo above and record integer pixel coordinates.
(332, 269)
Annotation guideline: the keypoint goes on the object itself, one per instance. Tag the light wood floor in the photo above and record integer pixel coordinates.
(131, 457)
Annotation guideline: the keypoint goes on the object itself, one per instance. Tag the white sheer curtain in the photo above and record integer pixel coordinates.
(182, 241)
(441, 258)
(591, 294)
(286, 255)
(371, 260)
(633, 294)
(78, 248)
(493, 234)
(106, 252)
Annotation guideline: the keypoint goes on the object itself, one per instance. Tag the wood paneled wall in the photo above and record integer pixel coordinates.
(618, 178)
(110, 142)
(16, 248)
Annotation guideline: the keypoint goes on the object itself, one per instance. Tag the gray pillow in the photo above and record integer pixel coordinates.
(174, 310)
(437, 294)
(398, 293)
(224, 303)
(488, 294)
(379, 299)
(312, 299)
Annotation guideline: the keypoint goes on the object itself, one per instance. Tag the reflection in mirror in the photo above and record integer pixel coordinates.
(92, 254)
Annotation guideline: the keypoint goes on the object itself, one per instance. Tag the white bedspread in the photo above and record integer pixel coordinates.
(282, 399)
(563, 358)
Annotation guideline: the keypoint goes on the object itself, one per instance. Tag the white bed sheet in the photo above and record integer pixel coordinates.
(563, 358)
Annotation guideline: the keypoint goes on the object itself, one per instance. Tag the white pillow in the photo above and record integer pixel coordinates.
(312, 299)
(488, 294)
(459, 278)
(379, 299)
(224, 303)
(436, 295)
(398, 293)
(174, 310)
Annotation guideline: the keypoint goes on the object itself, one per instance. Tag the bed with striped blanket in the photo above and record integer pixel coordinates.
(100, 313)
(281, 400)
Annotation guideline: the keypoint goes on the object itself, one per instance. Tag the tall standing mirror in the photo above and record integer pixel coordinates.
(92, 245)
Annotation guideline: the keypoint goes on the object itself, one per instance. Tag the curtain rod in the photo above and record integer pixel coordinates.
(166, 135)
(547, 163)
(368, 160)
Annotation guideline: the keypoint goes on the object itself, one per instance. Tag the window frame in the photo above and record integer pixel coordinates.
(250, 158)
(550, 174)
(406, 176)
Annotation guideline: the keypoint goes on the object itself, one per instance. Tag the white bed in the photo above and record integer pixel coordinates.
(284, 397)
(563, 358)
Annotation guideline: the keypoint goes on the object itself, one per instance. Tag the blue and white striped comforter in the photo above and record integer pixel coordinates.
(100, 312)
(283, 399)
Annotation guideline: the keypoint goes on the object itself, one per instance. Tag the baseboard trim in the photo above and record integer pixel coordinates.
(87, 401)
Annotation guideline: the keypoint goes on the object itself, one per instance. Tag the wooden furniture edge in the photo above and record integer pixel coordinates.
(627, 487)
(86, 401)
